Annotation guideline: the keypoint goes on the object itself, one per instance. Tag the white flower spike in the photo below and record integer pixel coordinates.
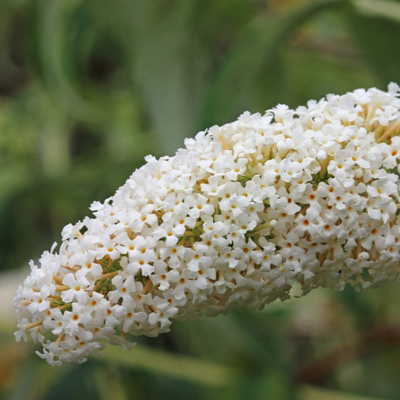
(245, 212)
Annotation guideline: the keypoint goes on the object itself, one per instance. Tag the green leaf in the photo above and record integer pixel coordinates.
(316, 393)
(377, 31)
(254, 55)
(169, 70)
(379, 8)
(183, 367)
(312, 73)
(52, 24)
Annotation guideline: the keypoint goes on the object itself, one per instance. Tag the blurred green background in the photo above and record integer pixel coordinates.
(88, 88)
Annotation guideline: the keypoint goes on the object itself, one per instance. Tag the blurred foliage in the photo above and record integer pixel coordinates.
(88, 88)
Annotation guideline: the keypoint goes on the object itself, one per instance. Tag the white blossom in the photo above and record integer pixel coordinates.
(245, 212)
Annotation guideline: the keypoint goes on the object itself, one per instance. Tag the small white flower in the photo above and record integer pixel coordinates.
(77, 288)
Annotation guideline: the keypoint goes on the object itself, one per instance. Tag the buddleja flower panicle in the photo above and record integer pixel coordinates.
(245, 212)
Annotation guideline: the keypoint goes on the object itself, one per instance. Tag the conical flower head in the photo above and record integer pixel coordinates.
(242, 214)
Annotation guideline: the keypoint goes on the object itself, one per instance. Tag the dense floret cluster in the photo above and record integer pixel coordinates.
(245, 212)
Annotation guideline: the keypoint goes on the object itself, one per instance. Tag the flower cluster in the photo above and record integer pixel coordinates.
(241, 215)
